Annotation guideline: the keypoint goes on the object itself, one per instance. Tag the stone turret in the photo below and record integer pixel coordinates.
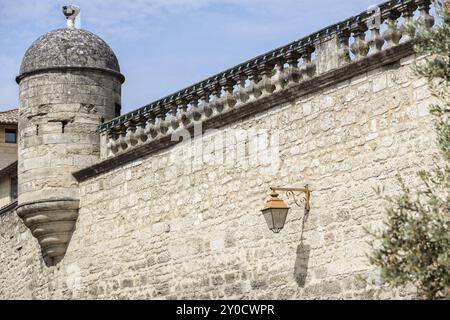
(70, 83)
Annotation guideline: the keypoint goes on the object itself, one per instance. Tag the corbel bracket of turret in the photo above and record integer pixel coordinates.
(52, 223)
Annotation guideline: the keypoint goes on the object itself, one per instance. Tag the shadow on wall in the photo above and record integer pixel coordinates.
(301, 264)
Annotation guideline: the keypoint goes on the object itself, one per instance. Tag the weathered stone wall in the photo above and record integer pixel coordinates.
(59, 115)
(149, 230)
(8, 151)
(5, 194)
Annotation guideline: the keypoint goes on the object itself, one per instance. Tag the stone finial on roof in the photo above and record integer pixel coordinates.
(71, 12)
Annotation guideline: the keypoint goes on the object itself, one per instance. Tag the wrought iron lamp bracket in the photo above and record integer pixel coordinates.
(293, 191)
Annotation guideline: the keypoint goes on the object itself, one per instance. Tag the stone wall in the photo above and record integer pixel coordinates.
(163, 228)
(8, 152)
(8, 179)
(60, 113)
(5, 194)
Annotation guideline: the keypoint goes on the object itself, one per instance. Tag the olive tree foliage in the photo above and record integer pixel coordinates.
(414, 245)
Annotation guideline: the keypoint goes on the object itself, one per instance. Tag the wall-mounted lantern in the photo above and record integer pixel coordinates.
(276, 210)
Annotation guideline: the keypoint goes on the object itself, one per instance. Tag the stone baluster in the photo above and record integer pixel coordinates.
(343, 39)
(216, 102)
(195, 112)
(392, 35)
(112, 145)
(130, 138)
(253, 89)
(162, 124)
(228, 99)
(360, 47)
(185, 116)
(139, 133)
(150, 127)
(292, 73)
(265, 84)
(376, 40)
(407, 29)
(308, 67)
(156, 131)
(122, 142)
(241, 94)
(425, 18)
(278, 79)
(146, 122)
(174, 119)
(203, 105)
(109, 145)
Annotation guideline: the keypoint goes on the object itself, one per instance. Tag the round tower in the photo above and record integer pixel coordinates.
(70, 82)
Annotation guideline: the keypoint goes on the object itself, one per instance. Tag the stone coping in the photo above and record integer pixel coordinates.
(9, 207)
(113, 73)
(70, 203)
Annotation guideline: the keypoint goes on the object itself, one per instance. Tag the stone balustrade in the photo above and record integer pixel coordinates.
(349, 41)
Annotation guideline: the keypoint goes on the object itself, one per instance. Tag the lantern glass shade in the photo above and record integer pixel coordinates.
(275, 213)
(275, 218)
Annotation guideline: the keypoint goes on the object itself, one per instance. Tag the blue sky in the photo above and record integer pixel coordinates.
(166, 45)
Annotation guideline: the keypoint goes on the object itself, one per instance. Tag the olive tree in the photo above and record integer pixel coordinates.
(414, 245)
